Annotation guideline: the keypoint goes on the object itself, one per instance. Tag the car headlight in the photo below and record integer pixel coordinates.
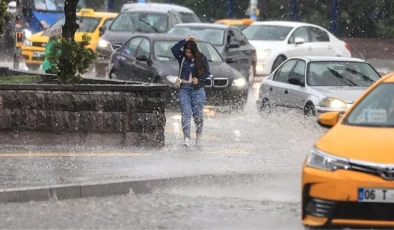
(171, 78)
(261, 54)
(240, 82)
(334, 103)
(27, 43)
(103, 43)
(321, 160)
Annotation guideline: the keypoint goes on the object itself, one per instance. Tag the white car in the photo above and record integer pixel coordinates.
(316, 84)
(276, 41)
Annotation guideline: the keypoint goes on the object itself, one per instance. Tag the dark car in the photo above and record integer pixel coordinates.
(230, 42)
(146, 18)
(148, 58)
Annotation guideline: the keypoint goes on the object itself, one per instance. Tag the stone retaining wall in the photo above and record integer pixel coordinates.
(118, 115)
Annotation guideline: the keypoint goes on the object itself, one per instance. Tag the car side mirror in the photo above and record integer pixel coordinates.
(299, 41)
(328, 119)
(102, 30)
(229, 60)
(234, 44)
(295, 81)
(143, 58)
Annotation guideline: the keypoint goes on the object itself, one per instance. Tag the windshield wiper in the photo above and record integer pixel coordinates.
(340, 77)
(364, 77)
(152, 26)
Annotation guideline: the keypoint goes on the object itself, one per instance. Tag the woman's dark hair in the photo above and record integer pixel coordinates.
(198, 56)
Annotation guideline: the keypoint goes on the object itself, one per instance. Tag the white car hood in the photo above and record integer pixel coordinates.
(347, 93)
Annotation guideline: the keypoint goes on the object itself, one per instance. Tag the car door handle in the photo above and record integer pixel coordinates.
(286, 91)
(329, 47)
(270, 88)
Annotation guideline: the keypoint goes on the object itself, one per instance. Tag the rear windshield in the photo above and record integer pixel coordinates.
(189, 17)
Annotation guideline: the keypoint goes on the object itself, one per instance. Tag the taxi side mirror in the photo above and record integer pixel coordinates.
(328, 119)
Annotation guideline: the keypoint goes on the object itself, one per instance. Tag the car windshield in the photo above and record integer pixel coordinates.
(86, 24)
(339, 73)
(376, 109)
(162, 51)
(140, 22)
(266, 32)
(189, 17)
(55, 5)
(214, 36)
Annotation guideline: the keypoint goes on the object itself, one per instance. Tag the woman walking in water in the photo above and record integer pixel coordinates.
(194, 72)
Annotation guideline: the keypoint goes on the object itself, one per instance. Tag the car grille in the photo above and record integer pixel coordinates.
(364, 211)
(116, 45)
(220, 82)
(373, 169)
(208, 82)
(39, 44)
(350, 210)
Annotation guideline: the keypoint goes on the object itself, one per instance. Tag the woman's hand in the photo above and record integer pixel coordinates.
(190, 38)
(195, 81)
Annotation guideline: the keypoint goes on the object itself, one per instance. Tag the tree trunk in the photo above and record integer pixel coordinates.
(70, 25)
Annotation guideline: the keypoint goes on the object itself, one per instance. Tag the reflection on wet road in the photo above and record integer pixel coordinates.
(269, 150)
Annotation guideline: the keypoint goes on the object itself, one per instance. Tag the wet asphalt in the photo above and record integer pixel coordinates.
(258, 157)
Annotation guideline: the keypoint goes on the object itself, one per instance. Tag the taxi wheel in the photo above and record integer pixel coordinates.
(33, 67)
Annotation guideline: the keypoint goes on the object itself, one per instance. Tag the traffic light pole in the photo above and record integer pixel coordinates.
(18, 34)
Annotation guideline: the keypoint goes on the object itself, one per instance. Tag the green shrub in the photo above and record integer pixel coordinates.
(5, 17)
(71, 59)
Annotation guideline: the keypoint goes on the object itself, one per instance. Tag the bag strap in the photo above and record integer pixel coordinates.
(180, 69)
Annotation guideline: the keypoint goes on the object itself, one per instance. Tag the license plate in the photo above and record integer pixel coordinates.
(38, 54)
(376, 195)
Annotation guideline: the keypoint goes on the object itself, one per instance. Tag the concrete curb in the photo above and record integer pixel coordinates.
(73, 191)
(115, 187)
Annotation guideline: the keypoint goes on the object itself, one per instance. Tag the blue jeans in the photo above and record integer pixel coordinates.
(192, 103)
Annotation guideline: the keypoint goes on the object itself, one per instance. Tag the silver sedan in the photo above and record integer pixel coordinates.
(316, 84)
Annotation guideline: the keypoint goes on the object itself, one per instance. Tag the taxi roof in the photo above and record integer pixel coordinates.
(389, 78)
(92, 13)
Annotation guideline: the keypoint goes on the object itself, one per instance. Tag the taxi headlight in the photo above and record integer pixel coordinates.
(103, 43)
(239, 82)
(321, 160)
(334, 103)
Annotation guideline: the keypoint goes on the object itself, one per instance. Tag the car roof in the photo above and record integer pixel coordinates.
(203, 25)
(98, 14)
(283, 23)
(164, 37)
(159, 6)
(146, 10)
(328, 58)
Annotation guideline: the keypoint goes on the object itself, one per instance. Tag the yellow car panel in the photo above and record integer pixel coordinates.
(32, 53)
(348, 178)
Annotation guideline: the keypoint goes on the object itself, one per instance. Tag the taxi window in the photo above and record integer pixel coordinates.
(376, 109)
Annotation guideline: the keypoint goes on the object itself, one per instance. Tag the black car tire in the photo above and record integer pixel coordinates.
(309, 109)
(277, 62)
(264, 106)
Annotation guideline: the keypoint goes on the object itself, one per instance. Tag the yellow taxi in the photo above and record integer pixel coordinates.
(89, 22)
(348, 177)
(240, 23)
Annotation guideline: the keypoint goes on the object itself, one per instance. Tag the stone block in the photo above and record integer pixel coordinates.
(67, 192)
(93, 139)
(41, 120)
(25, 195)
(15, 119)
(109, 189)
(112, 139)
(70, 121)
(6, 119)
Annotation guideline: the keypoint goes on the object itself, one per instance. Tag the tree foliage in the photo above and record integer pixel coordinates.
(5, 17)
(71, 59)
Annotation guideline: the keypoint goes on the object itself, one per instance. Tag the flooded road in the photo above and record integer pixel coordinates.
(256, 158)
